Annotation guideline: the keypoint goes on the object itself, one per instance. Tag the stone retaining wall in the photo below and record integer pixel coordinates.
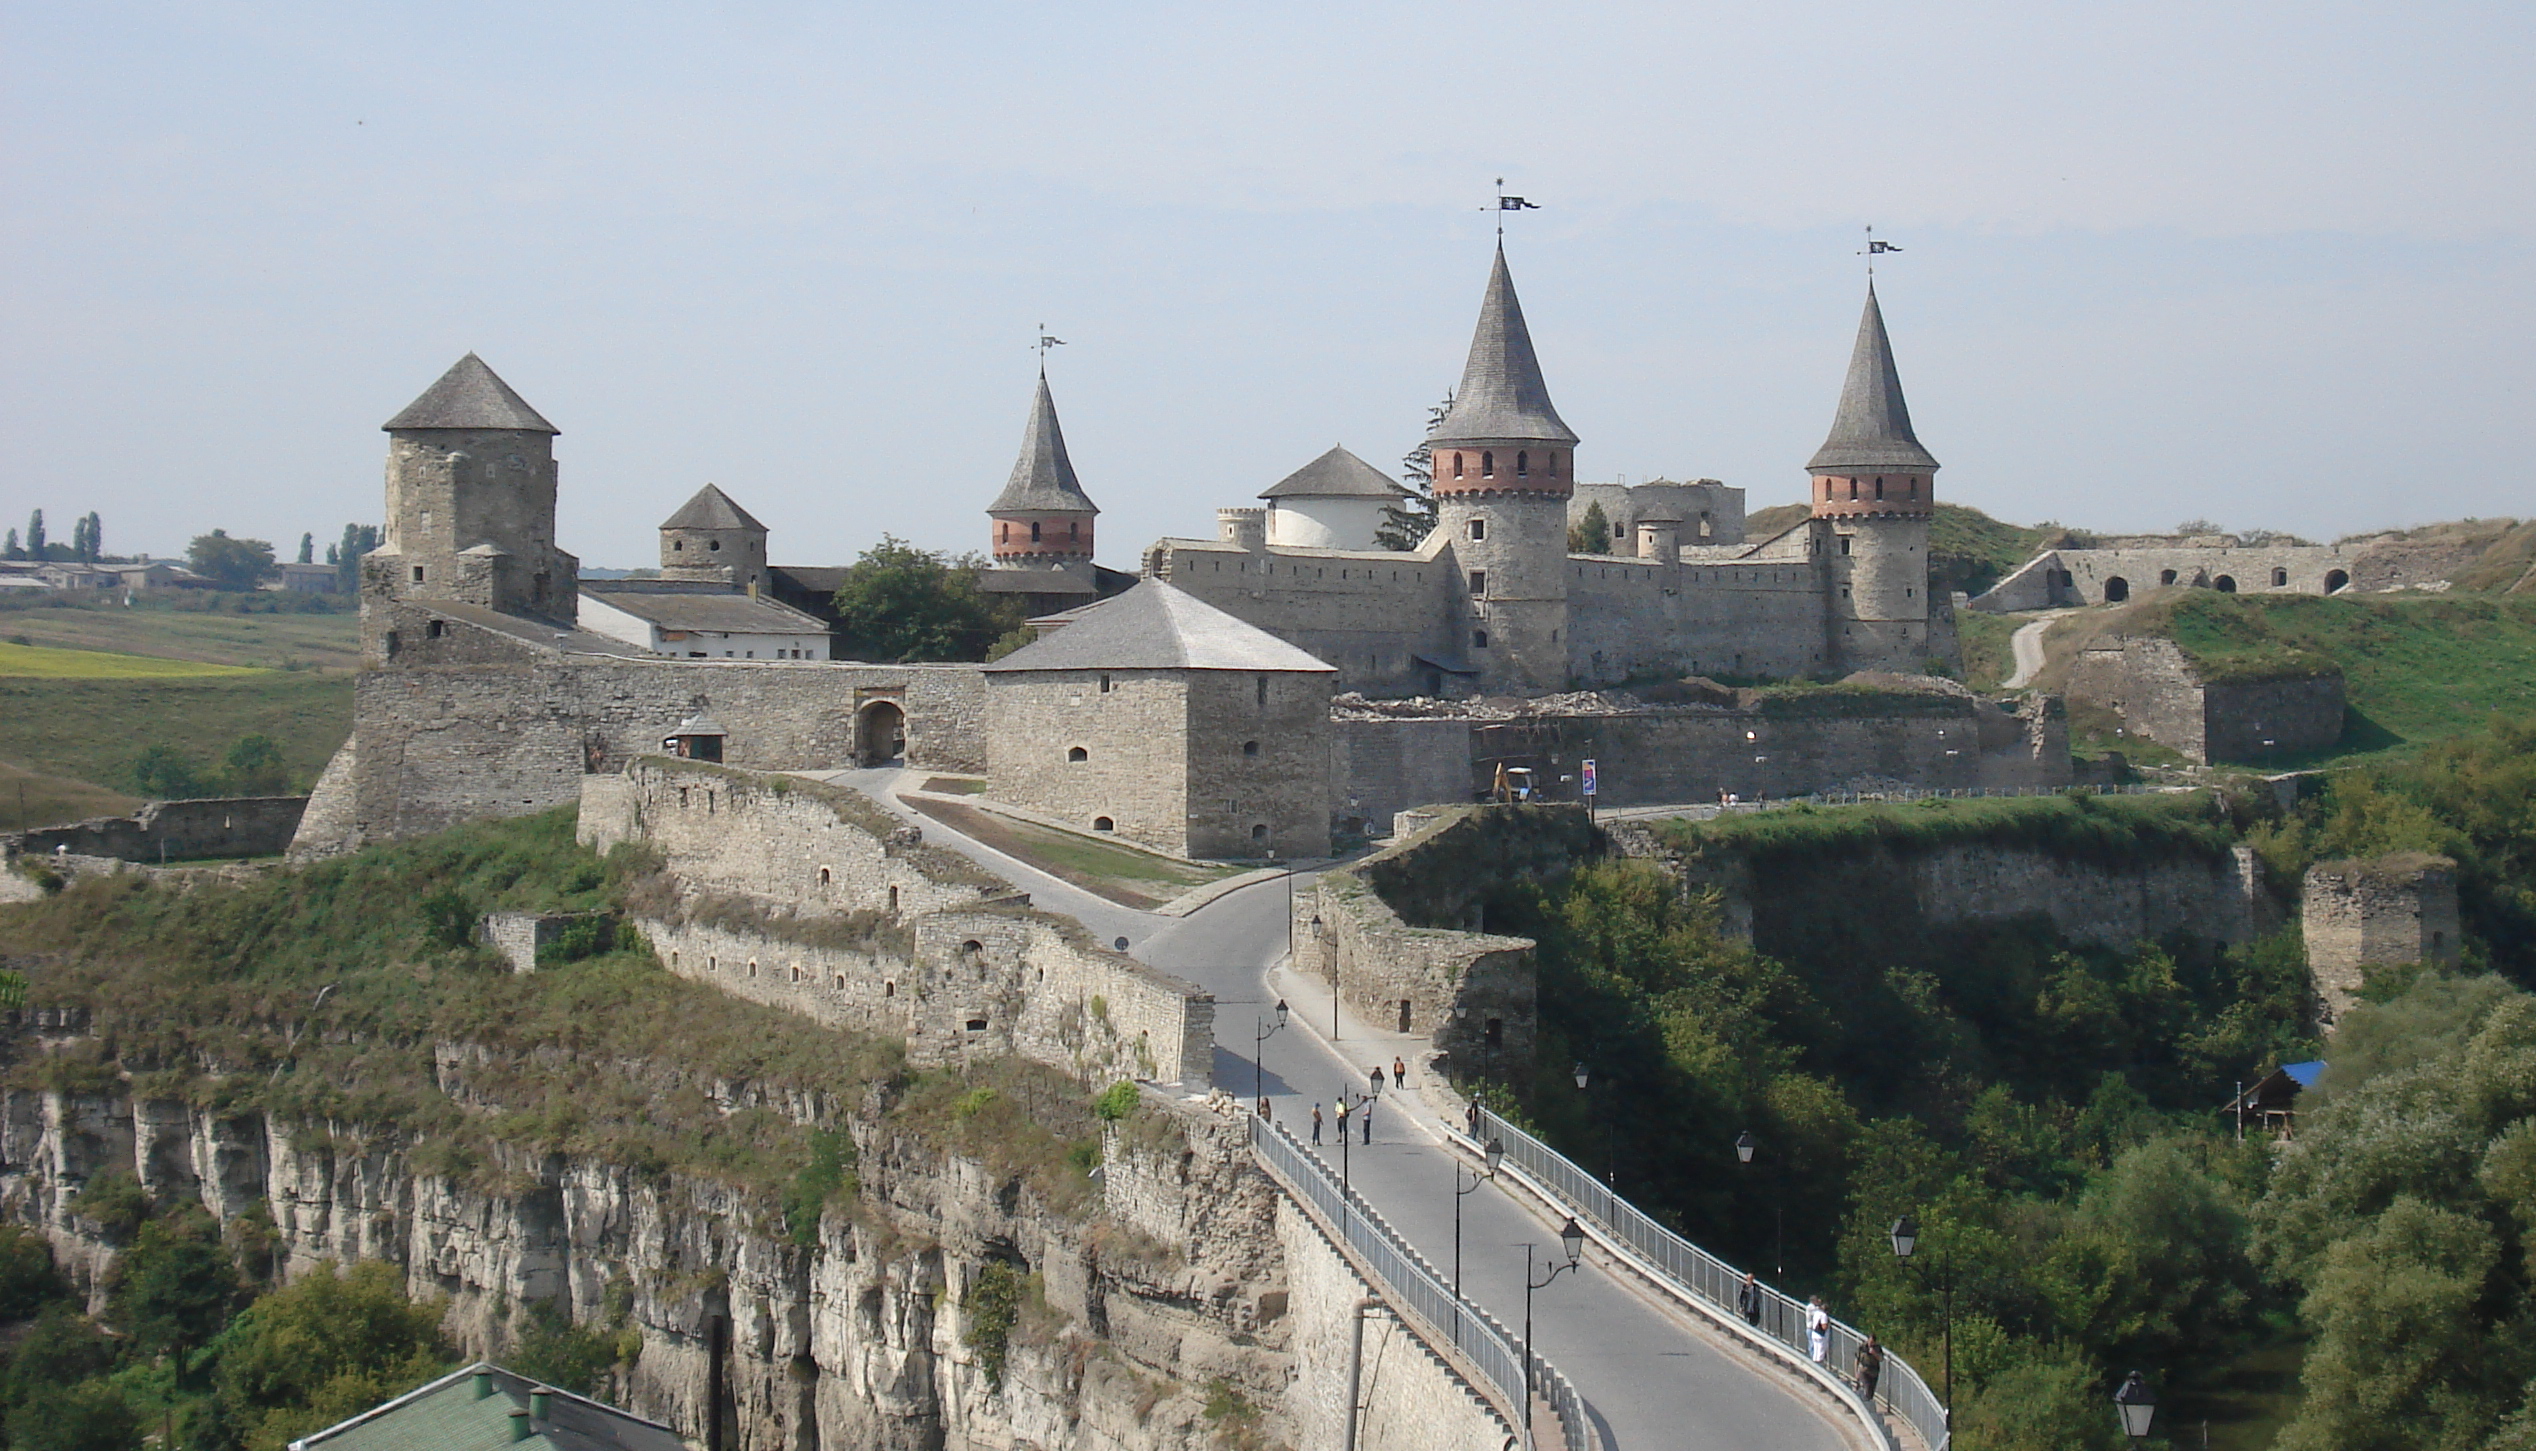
(223, 826)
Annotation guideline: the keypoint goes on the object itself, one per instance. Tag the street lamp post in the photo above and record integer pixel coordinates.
(1572, 1239)
(1496, 1152)
(1745, 1144)
(1906, 1238)
(2137, 1405)
(1316, 949)
(1611, 1134)
(1260, 1034)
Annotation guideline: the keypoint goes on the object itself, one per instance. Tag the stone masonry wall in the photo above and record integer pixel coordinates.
(2384, 911)
(214, 827)
(813, 899)
(504, 729)
(2146, 681)
(1132, 728)
(2259, 720)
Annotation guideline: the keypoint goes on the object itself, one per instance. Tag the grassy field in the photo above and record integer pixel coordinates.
(1988, 657)
(261, 640)
(44, 662)
(1120, 873)
(90, 730)
(30, 798)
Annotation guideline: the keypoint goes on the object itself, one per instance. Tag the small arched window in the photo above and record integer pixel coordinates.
(1077, 753)
(893, 899)
(1879, 488)
(1479, 639)
(826, 876)
(1034, 531)
(1103, 823)
(2166, 576)
(1250, 748)
(2280, 578)
(1488, 464)
(1457, 465)
(1523, 463)
(1073, 529)
(1259, 832)
(1853, 488)
(715, 545)
(677, 546)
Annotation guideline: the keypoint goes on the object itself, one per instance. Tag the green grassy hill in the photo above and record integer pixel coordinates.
(264, 631)
(91, 731)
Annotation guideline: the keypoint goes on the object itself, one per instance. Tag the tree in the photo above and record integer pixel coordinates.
(172, 1290)
(1592, 534)
(230, 563)
(1407, 523)
(900, 603)
(62, 1348)
(308, 549)
(13, 551)
(254, 768)
(358, 539)
(89, 1416)
(163, 773)
(35, 536)
(326, 1346)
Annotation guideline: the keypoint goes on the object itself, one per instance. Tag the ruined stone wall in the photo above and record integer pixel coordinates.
(1706, 501)
(2148, 683)
(240, 826)
(2259, 720)
(501, 729)
(2384, 911)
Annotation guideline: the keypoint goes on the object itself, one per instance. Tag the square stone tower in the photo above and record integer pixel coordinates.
(2383, 911)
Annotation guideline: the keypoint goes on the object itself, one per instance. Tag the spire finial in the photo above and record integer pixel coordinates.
(1872, 251)
(1507, 204)
(1042, 346)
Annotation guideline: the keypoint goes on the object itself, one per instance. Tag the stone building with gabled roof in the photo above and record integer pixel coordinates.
(711, 538)
(487, 1408)
(1157, 716)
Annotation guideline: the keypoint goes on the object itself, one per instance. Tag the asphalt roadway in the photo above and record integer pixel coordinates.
(1650, 1374)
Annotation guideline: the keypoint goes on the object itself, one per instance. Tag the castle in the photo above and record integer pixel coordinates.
(1232, 701)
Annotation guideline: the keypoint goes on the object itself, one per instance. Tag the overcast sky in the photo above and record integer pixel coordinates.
(2267, 263)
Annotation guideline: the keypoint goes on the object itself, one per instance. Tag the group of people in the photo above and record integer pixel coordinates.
(1363, 1108)
(1818, 1335)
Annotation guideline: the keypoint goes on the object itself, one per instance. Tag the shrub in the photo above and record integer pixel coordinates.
(115, 1202)
(1116, 1101)
(994, 1307)
(28, 1281)
(828, 1173)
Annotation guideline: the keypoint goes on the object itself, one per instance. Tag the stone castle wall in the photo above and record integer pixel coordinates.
(2063, 577)
(2156, 692)
(813, 899)
(1370, 615)
(1645, 618)
(239, 826)
(2388, 910)
(481, 725)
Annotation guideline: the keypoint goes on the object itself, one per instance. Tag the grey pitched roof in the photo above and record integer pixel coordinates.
(712, 509)
(1157, 627)
(447, 1415)
(1043, 479)
(470, 396)
(1337, 474)
(713, 610)
(1502, 397)
(1872, 431)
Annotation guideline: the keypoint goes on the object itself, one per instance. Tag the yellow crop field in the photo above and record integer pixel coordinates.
(44, 663)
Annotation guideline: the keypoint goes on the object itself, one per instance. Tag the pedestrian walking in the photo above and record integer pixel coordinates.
(1316, 1124)
(1399, 1072)
(1818, 1331)
(1377, 1080)
(1369, 1120)
(1342, 1118)
(1870, 1365)
(1748, 1299)
(1471, 1113)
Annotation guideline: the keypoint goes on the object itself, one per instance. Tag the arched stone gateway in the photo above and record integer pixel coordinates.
(880, 733)
(2336, 581)
(2117, 589)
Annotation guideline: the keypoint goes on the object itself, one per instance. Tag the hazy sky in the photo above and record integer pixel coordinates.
(2263, 262)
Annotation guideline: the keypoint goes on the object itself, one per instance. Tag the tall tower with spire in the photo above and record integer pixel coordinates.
(1874, 495)
(1043, 519)
(471, 502)
(1504, 467)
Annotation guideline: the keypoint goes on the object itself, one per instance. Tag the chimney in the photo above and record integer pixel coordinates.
(483, 1381)
(519, 1426)
(541, 1403)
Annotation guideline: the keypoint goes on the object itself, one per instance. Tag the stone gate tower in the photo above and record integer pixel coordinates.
(1875, 492)
(471, 502)
(1504, 468)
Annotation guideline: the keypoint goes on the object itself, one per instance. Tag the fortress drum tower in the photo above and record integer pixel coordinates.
(1874, 495)
(1504, 467)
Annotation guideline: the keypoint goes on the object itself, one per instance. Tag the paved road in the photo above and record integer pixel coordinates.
(1651, 1377)
(2027, 643)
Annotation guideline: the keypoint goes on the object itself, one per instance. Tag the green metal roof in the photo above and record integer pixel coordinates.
(449, 1415)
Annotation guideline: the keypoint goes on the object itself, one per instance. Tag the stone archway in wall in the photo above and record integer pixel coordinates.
(2336, 581)
(2117, 589)
(880, 732)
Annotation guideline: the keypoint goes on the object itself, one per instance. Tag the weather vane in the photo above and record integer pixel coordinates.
(1507, 204)
(1042, 346)
(1875, 249)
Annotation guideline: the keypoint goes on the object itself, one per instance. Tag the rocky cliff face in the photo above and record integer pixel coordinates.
(860, 1338)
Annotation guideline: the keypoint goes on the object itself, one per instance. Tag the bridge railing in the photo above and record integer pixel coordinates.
(1409, 1283)
(1695, 1272)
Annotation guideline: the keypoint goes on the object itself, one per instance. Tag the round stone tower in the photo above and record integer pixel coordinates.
(711, 538)
(1874, 495)
(1043, 519)
(1505, 465)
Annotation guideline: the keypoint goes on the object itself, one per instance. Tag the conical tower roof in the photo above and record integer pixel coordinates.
(1337, 474)
(470, 395)
(1872, 431)
(1502, 397)
(1043, 479)
(712, 509)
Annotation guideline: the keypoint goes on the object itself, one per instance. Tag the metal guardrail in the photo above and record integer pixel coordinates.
(1410, 1283)
(1695, 1272)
